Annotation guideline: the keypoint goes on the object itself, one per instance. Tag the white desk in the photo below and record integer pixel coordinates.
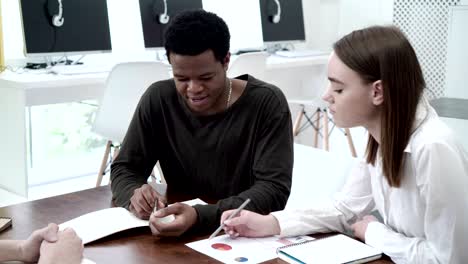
(18, 91)
(277, 62)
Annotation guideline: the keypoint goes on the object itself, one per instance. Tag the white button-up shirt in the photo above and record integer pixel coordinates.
(425, 220)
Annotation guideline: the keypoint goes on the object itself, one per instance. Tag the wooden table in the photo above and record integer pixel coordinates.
(131, 246)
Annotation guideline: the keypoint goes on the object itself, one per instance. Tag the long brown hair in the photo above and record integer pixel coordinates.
(384, 53)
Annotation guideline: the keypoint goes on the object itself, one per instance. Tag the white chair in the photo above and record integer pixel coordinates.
(125, 85)
(317, 186)
(253, 63)
(318, 119)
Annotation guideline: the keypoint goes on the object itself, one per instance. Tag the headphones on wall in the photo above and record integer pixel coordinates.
(57, 19)
(277, 17)
(164, 17)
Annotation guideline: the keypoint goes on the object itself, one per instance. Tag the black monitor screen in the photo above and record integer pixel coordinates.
(289, 20)
(85, 26)
(151, 11)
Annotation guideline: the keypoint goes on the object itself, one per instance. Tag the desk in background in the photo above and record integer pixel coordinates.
(17, 91)
(454, 112)
(451, 107)
(131, 246)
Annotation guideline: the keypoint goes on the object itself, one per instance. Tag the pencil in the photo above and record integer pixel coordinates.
(231, 216)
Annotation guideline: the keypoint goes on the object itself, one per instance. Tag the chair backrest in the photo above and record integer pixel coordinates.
(317, 176)
(124, 87)
(253, 63)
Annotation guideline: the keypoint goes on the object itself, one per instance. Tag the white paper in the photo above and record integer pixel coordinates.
(334, 249)
(98, 224)
(87, 261)
(92, 226)
(244, 250)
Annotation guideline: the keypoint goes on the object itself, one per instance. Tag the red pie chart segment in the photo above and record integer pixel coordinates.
(221, 246)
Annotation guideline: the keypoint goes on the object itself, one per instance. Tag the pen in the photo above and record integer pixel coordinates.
(155, 208)
(231, 216)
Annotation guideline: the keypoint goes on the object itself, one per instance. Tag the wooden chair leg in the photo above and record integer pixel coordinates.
(103, 163)
(350, 142)
(317, 127)
(297, 122)
(326, 145)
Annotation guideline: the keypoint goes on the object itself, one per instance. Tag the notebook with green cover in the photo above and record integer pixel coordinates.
(333, 249)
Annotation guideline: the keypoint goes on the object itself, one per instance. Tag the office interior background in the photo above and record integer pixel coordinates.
(63, 154)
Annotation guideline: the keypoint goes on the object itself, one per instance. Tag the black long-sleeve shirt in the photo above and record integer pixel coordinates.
(243, 152)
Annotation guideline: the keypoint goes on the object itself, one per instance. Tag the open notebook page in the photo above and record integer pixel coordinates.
(95, 225)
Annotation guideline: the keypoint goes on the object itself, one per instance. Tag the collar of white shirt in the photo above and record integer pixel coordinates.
(423, 111)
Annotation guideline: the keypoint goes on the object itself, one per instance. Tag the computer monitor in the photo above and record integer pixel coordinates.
(282, 21)
(54, 27)
(157, 14)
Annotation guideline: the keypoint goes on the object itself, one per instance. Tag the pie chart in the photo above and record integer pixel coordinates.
(241, 259)
(221, 246)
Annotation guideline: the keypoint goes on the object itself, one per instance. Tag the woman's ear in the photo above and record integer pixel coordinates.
(378, 93)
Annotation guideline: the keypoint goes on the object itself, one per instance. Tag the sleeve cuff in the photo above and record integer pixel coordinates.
(208, 217)
(375, 234)
(287, 224)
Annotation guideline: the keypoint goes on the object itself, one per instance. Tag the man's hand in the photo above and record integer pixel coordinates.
(142, 201)
(360, 227)
(29, 248)
(185, 217)
(67, 249)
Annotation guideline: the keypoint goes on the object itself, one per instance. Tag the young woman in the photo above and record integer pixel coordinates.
(415, 174)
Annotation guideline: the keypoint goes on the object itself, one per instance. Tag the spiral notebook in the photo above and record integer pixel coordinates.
(334, 249)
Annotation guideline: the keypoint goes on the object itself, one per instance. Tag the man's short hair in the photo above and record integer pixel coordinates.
(196, 31)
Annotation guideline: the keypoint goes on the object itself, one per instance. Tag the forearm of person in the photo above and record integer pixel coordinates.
(123, 183)
(136, 158)
(10, 250)
(352, 202)
(404, 249)
(309, 221)
(265, 198)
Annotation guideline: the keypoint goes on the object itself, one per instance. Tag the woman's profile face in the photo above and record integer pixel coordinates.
(351, 101)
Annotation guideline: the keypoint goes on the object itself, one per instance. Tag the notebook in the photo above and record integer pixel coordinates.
(334, 249)
(95, 225)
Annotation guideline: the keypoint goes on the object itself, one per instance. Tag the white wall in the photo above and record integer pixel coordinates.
(457, 53)
(12, 30)
(356, 14)
(243, 20)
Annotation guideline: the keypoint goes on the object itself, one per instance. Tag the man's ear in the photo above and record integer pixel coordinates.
(226, 61)
(377, 92)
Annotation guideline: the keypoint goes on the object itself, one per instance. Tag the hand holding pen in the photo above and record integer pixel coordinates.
(142, 202)
(249, 224)
(234, 213)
